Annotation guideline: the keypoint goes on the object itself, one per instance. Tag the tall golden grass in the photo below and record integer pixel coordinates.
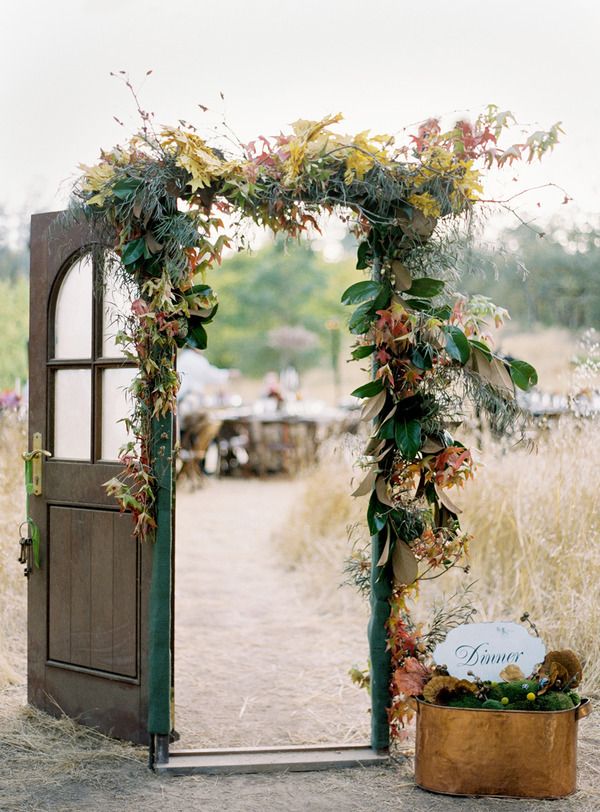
(12, 583)
(535, 517)
(536, 520)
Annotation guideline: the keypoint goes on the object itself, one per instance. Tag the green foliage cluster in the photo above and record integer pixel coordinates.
(551, 279)
(281, 284)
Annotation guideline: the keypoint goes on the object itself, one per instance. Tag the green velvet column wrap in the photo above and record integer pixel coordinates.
(159, 644)
(381, 590)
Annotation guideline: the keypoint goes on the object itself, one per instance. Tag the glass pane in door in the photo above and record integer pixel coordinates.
(117, 306)
(72, 413)
(115, 406)
(73, 313)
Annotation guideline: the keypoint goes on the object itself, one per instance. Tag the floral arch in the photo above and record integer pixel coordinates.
(160, 202)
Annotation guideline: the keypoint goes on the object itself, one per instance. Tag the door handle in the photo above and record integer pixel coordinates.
(35, 457)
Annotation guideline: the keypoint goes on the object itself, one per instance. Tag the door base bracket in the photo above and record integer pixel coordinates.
(267, 759)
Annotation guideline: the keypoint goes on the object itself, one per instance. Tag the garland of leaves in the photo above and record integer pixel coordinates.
(160, 202)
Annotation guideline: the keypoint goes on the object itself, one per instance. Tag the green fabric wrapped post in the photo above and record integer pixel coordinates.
(381, 590)
(159, 644)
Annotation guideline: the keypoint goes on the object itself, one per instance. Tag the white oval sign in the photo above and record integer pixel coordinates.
(485, 649)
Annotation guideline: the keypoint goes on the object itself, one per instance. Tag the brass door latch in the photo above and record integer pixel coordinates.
(35, 456)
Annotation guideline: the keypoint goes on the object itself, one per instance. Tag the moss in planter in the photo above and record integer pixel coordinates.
(514, 691)
(523, 704)
(517, 695)
(554, 701)
(466, 701)
(493, 704)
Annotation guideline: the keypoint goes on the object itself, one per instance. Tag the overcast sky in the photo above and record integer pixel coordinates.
(383, 63)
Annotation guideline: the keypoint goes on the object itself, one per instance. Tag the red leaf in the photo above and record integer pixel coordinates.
(410, 678)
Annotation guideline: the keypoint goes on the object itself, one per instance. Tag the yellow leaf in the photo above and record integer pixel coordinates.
(426, 203)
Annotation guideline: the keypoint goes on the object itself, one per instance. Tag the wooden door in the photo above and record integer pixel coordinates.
(88, 600)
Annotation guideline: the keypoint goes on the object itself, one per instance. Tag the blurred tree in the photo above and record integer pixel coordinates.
(292, 343)
(14, 264)
(281, 285)
(14, 310)
(549, 280)
(14, 326)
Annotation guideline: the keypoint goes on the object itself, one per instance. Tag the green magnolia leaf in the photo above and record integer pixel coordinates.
(425, 288)
(523, 374)
(367, 390)
(199, 290)
(361, 319)
(382, 299)
(206, 316)
(376, 515)
(407, 434)
(196, 336)
(361, 292)
(425, 306)
(386, 430)
(443, 313)
(479, 345)
(126, 188)
(363, 351)
(457, 344)
(362, 256)
(422, 357)
(133, 250)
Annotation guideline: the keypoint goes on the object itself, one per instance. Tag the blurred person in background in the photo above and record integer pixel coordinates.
(197, 373)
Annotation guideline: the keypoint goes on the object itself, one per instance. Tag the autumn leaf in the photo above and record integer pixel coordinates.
(410, 678)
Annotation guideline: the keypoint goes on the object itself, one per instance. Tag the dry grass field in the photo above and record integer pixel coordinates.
(13, 618)
(535, 518)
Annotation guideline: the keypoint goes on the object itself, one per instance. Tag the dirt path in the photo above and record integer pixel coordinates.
(258, 660)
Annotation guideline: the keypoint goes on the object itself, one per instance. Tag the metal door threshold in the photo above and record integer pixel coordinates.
(271, 759)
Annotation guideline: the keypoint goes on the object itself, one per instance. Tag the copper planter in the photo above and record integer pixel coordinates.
(513, 754)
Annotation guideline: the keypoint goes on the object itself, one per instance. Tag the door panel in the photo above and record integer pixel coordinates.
(88, 601)
(92, 590)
